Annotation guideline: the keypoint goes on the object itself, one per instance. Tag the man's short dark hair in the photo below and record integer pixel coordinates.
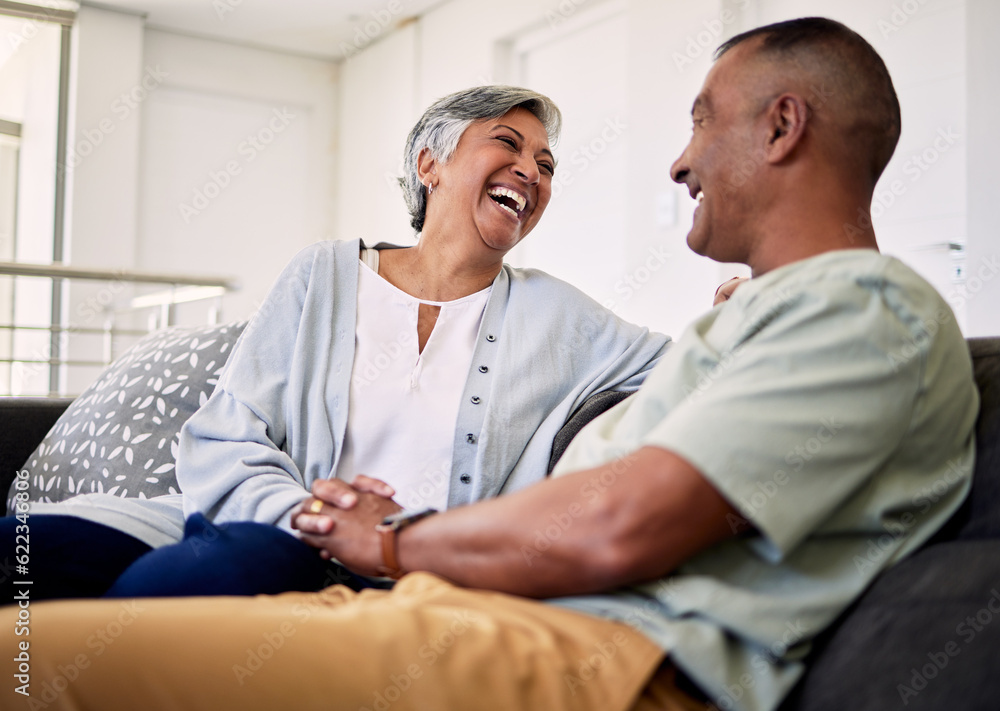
(854, 80)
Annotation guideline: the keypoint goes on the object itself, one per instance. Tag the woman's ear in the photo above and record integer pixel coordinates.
(426, 165)
(786, 121)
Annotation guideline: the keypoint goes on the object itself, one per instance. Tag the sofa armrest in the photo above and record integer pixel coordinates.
(591, 408)
(26, 421)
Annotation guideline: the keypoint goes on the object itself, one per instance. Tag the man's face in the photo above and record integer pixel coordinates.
(720, 164)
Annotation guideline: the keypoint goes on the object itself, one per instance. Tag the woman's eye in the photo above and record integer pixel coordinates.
(509, 141)
(548, 168)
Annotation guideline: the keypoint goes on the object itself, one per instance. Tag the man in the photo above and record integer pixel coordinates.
(694, 539)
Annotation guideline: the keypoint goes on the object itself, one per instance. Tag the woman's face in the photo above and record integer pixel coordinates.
(498, 181)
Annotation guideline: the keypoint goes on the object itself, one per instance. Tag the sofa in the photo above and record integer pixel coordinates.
(924, 637)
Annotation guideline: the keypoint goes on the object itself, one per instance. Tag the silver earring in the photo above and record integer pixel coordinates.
(430, 188)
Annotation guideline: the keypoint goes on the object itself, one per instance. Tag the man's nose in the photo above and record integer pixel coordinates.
(679, 170)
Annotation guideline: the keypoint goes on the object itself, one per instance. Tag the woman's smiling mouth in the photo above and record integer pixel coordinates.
(509, 200)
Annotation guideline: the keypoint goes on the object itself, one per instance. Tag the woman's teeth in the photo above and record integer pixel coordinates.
(501, 196)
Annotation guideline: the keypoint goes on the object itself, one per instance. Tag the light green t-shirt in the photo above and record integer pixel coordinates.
(832, 402)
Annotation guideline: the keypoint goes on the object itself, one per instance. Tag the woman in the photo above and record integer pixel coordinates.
(436, 371)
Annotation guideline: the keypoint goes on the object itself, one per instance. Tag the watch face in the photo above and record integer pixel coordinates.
(402, 518)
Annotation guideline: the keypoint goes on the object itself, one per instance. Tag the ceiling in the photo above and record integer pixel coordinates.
(328, 29)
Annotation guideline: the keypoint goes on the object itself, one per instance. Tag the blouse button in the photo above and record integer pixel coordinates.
(465, 479)
(491, 338)
(470, 438)
(483, 369)
(475, 400)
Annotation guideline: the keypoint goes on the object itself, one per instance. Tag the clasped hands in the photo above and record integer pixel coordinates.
(340, 521)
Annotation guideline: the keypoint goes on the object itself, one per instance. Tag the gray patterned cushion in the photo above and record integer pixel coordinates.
(120, 436)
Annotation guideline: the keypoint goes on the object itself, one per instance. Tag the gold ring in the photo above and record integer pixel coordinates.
(316, 506)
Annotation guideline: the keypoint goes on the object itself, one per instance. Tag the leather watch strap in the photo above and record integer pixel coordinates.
(390, 567)
(389, 532)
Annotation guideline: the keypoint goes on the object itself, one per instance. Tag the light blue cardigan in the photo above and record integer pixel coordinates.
(277, 418)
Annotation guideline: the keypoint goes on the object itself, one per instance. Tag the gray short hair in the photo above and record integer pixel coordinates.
(444, 122)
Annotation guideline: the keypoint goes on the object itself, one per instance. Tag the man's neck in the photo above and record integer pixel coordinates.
(807, 227)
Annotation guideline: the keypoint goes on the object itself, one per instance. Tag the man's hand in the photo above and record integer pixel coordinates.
(340, 520)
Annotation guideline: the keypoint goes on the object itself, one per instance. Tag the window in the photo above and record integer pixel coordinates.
(34, 80)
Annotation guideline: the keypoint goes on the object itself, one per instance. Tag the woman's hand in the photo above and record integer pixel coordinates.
(340, 520)
(311, 515)
(726, 289)
(346, 533)
(342, 495)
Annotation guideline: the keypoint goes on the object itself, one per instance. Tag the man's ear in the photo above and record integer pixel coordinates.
(426, 165)
(786, 122)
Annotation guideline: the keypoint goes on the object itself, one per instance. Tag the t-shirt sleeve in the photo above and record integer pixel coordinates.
(795, 419)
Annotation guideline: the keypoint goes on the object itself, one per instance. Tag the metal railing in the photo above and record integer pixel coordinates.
(159, 307)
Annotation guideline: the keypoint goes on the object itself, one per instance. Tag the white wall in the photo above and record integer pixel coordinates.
(925, 201)
(158, 119)
(982, 288)
(463, 43)
(238, 159)
(193, 157)
(920, 203)
(377, 89)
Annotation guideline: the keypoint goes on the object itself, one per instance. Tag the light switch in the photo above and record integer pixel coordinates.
(666, 209)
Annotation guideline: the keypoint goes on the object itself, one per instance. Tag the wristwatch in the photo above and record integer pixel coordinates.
(390, 526)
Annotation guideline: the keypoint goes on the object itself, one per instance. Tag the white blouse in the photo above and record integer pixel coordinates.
(403, 403)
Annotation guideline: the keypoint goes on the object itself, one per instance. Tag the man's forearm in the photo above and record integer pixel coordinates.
(633, 519)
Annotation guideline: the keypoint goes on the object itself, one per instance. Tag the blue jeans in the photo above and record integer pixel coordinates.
(66, 557)
(241, 558)
(72, 557)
